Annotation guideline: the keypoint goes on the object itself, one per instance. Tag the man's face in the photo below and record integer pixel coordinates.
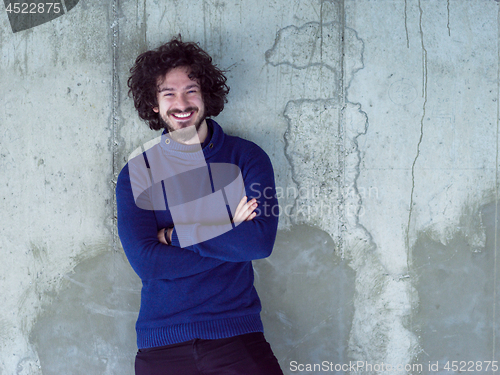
(180, 101)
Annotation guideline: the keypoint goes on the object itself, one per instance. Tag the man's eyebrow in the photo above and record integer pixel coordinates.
(161, 89)
(189, 87)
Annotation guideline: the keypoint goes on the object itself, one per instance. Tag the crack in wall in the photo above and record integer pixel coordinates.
(364, 131)
(341, 148)
(321, 31)
(496, 191)
(406, 25)
(204, 24)
(448, 21)
(115, 118)
(308, 35)
(145, 23)
(424, 95)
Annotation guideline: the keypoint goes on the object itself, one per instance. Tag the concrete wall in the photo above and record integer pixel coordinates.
(381, 118)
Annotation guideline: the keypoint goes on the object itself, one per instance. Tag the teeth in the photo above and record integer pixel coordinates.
(182, 115)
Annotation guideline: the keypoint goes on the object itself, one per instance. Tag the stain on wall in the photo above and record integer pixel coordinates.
(457, 285)
(307, 295)
(89, 328)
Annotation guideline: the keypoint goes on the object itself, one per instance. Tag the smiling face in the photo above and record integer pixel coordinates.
(180, 101)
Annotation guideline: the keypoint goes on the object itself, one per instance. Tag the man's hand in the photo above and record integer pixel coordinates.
(245, 210)
(161, 235)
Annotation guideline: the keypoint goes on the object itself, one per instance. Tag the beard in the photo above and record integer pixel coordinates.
(184, 134)
(167, 125)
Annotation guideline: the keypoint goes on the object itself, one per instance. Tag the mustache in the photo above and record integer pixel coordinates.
(188, 109)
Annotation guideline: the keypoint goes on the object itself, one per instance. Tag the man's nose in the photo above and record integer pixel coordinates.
(182, 102)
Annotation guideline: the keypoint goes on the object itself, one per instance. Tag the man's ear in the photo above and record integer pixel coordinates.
(155, 109)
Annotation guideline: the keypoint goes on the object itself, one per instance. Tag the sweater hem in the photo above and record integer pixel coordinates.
(208, 330)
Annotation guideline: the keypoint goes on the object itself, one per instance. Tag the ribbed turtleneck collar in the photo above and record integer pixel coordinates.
(211, 145)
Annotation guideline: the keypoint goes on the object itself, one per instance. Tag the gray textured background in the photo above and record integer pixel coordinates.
(381, 120)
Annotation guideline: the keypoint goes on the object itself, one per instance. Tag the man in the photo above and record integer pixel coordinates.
(193, 212)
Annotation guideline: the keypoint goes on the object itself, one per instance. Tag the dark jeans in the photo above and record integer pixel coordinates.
(248, 354)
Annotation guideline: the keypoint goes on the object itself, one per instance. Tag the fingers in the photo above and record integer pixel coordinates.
(161, 236)
(169, 235)
(251, 216)
(245, 210)
(248, 209)
(241, 204)
(252, 205)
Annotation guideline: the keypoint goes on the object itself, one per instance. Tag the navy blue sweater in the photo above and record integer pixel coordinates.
(204, 290)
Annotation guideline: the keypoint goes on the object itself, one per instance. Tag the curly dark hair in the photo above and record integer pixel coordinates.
(153, 65)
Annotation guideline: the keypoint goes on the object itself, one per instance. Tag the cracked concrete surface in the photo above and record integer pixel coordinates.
(443, 168)
(325, 170)
(380, 118)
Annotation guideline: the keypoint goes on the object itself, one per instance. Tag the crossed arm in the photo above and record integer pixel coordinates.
(151, 257)
(245, 211)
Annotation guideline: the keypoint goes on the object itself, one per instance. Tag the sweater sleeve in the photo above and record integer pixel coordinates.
(249, 240)
(138, 230)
